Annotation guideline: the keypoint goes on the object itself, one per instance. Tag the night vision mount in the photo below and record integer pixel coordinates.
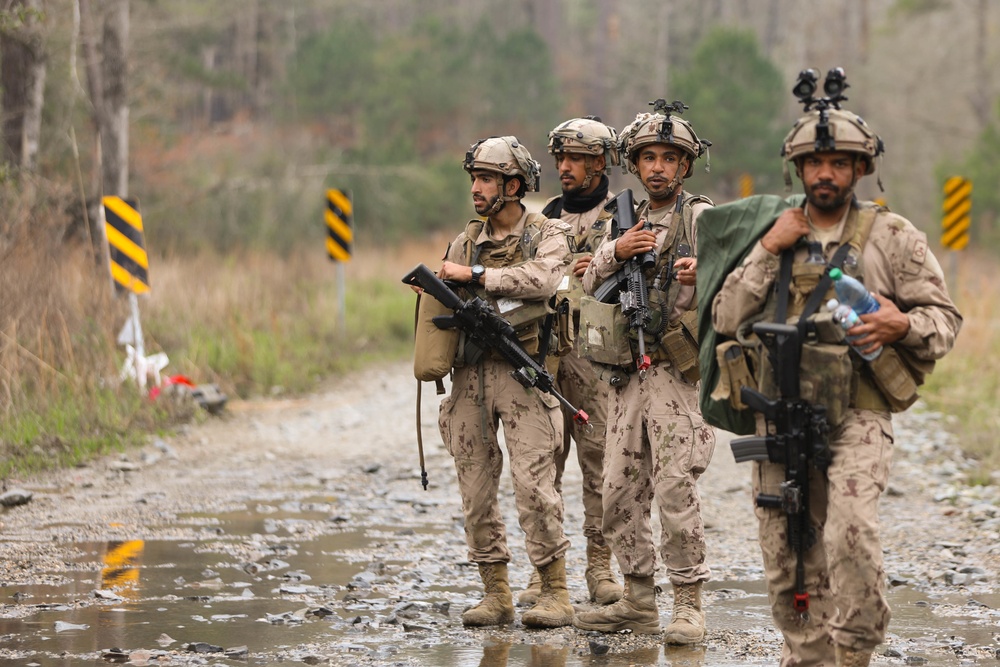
(661, 106)
(833, 87)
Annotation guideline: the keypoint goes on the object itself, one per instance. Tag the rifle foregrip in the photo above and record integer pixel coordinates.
(751, 448)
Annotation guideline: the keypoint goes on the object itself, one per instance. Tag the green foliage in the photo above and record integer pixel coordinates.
(331, 72)
(736, 97)
(904, 8)
(983, 167)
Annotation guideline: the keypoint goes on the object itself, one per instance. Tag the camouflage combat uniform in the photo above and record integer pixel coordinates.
(579, 383)
(657, 446)
(484, 394)
(844, 571)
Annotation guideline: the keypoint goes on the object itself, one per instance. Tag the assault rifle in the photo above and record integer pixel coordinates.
(628, 285)
(490, 331)
(797, 437)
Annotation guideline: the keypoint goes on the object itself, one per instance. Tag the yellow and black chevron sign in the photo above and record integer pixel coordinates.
(957, 213)
(121, 564)
(129, 263)
(338, 216)
(746, 185)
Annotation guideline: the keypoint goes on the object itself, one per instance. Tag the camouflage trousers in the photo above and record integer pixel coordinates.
(482, 397)
(844, 574)
(578, 381)
(657, 447)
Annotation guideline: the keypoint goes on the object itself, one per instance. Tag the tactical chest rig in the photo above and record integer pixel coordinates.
(533, 320)
(829, 374)
(605, 336)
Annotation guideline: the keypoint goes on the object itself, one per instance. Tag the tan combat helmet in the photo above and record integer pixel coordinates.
(661, 127)
(826, 127)
(585, 136)
(506, 156)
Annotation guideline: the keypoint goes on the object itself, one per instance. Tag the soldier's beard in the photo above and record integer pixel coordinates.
(488, 207)
(829, 200)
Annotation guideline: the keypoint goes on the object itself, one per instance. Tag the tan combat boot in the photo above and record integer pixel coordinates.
(688, 623)
(553, 609)
(497, 606)
(600, 581)
(636, 611)
(529, 596)
(848, 657)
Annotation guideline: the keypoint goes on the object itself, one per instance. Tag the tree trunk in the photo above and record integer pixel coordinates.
(22, 78)
(107, 83)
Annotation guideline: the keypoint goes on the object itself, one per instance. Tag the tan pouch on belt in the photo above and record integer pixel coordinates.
(893, 379)
(733, 374)
(433, 348)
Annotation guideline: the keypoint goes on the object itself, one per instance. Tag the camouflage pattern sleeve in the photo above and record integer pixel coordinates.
(745, 291)
(603, 266)
(899, 265)
(456, 251)
(537, 278)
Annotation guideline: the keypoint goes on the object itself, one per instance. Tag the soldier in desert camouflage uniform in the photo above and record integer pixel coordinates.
(583, 148)
(657, 444)
(515, 260)
(917, 321)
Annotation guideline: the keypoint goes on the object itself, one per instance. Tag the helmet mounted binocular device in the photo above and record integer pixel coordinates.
(834, 86)
(661, 106)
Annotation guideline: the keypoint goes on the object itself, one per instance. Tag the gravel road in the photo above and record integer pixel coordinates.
(330, 483)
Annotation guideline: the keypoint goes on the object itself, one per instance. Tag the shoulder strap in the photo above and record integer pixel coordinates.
(824, 283)
(472, 232)
(554, 208)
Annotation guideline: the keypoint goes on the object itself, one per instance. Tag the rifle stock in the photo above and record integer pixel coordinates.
(490, 331)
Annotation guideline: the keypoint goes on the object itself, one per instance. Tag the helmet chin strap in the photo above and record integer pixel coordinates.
(501, 198)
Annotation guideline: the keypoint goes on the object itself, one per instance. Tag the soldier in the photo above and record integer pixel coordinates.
(515, 260)
(832, 149)
(657, 444)
(583, 149)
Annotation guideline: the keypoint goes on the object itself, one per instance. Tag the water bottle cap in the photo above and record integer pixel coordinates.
(832, 304)
(836, 273)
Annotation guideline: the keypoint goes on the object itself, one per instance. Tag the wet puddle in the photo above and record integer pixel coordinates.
(268, 580)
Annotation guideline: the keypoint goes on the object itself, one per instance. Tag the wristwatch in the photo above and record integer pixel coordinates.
(478, 271)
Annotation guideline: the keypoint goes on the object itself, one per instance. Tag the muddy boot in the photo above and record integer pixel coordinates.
(553, 609)
(688, 623)
(529, 596)
(848, 657)
(496, 607)
(636, 611)
(600, 581)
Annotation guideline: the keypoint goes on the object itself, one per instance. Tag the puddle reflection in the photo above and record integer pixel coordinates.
(253, 579)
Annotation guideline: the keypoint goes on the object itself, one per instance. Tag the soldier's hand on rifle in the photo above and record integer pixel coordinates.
(459, 273)
(685, 270)
(786, 231)
(581, 265)
(634, 241)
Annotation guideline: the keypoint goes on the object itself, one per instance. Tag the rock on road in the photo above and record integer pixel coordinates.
(387, 584)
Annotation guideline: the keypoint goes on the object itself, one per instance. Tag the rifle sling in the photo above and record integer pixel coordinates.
(818, 294)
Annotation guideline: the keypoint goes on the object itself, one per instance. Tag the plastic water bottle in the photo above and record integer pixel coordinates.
(852, 293)
(847, 318)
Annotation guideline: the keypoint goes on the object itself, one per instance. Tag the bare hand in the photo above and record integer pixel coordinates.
(786, 231)
(459, 273)
(581, 265)
(634, 241)
(686, 270)
(886, 325)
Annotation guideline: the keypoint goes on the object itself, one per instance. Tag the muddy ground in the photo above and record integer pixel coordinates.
(297, 531)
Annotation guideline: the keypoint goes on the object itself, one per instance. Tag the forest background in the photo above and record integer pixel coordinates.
(228, 119)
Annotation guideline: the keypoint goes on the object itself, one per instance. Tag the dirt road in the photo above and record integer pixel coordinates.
(297, 530)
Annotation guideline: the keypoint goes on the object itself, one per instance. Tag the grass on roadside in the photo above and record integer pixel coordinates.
(966, 383)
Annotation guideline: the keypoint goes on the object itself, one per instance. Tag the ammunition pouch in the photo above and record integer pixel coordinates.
(893, 379)
(734, 373)
(434, 349)
(571, 287)
(604, 334)
(680, 343)
(525, 316)
(564, 329)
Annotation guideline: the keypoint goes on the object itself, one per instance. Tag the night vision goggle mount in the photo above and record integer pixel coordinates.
(666, 132)
(833, 86)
